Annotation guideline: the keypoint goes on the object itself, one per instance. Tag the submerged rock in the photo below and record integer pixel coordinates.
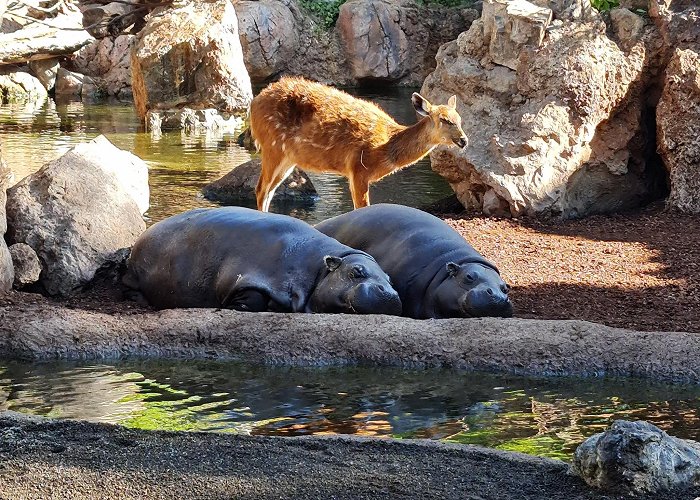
(77, 212)
(190, 55)
(239, 185)
(637, 458)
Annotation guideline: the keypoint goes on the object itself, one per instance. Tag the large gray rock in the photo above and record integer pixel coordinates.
(239, 185)
(678, 125)
(552, 128)
(77, 212)
(395, 41)
(269, 37)
(637, 458)
(6, 268)
(26, 264)
(189, 55)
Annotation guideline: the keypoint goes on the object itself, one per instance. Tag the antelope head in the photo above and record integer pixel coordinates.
(447, 124)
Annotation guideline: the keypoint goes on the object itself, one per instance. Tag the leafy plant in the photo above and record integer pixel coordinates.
(604, 5)
(326, 12)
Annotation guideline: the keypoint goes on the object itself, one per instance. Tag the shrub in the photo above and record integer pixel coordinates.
(604, 5)
(326, 12)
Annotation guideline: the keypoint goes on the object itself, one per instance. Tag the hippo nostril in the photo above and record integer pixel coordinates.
(381, 288)
(489, 291)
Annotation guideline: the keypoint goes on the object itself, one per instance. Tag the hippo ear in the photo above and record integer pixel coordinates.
(452, 269)
(332, 262)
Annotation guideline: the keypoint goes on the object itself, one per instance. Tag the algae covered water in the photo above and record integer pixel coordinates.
(180, 164)
(547, 417)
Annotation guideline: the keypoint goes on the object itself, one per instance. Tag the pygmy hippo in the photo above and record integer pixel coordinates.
(436, 272)
(237, 258)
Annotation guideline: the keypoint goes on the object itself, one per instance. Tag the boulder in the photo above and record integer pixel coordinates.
(510, 26)
(26, 264)
(569, 10)
(71, 84)
(239, 185)
(108, 62)
(637, 458)
(628, 26)
(6, 268)
(555, 129)
(190, 56)
(46, 71)
(395, 41)
(269, 37)
(19, 86)
(678, 126)
(77, 212)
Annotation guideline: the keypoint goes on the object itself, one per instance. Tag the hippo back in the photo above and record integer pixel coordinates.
(411, 246)
(179, 261)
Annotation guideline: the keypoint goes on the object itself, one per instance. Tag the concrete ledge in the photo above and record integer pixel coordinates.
(518, 346)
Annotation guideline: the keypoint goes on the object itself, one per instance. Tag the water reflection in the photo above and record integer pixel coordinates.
(181, 164)
(547, 417)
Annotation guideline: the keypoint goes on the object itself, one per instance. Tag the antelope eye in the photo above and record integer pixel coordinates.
(446, 121)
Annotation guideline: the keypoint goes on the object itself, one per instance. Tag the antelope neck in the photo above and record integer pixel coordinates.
(410, 144)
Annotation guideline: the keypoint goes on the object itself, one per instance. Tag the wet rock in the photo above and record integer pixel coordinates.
(269, 37)
(6, 268)
(239, 185)
(637, 458)
(192, 120)
(46, 71)
(26, 264)
(510, 26)
(678, 125)
(552, 130)
(77, 212)
(190, 56)
(19, 86)
(108, 62)
(71, 84)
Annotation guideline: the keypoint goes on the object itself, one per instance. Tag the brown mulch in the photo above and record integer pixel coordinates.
(638, 270)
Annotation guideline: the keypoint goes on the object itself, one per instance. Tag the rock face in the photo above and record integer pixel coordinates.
(637, 458)
(556, 125)
(26, 264)
(239, 185)
(372, 40)
(71, 84)
(20, 86)
(108, 62)
(46, 71)
(678, 112)
(190, 56)
(6, 268)
(77, 212)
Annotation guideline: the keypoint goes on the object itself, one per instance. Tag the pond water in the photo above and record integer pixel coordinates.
(547, 417)
(181, 164)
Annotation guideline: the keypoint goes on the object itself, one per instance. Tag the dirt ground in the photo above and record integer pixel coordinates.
(74, 460)
(639, 270)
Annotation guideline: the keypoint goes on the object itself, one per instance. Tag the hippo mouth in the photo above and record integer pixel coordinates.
(485, 304)
(373, 299)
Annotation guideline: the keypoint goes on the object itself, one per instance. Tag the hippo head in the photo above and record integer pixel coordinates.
(472, 290)
(354, 284)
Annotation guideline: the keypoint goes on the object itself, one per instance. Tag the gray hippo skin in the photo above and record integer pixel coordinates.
(242, 259)
(436, 272)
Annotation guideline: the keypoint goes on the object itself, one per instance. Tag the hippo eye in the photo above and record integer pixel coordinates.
(469, 277)
(358, 272)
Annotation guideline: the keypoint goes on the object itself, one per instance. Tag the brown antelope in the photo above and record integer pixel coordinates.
(297, 122)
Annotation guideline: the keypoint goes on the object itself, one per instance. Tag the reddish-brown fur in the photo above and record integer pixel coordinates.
(321, 129)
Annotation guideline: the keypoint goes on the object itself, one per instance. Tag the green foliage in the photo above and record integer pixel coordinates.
(604, 5)
(326, 12)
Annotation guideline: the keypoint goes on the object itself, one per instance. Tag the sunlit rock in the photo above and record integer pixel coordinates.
(20, 86)
(79, 211)
(637, 458)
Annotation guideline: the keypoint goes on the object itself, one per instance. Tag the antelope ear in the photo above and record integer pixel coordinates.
(452, 102)
(452, 268)
(332, 262)
(421, 104)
